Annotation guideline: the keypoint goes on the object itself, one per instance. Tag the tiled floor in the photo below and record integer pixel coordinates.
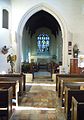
(39, 103)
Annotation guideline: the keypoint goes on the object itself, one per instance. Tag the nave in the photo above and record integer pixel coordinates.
(40, 101)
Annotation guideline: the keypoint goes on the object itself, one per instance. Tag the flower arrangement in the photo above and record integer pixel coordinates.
(11, 59)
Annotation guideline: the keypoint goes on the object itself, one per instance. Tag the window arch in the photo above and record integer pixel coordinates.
(43, 42)
(5, 18)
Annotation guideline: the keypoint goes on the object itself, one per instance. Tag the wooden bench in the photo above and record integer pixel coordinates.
(67, 78)
(63, 76)
(16, 76)
(15, 86)
(5, 102)
(68, 100)
(67, 89)
(77, 112)
(74, 84)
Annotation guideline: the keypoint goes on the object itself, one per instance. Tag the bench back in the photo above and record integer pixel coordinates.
(78, 94)
(77, 112)
(6, 101)
(14, 77)
(61, 76)
(67, 80)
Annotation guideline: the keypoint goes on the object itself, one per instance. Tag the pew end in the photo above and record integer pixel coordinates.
(6, 95)
(77, 109)
(78, 94)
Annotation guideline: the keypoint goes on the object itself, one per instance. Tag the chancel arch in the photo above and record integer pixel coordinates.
(27, 16)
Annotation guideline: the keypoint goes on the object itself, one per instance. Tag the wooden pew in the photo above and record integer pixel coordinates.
(77, 112)
(67, 89)
(5, 102)
(14, 85)
(74, 84)
(16, 76)
(68, 98)
(63, 80)
(67, 78)
(63, 76)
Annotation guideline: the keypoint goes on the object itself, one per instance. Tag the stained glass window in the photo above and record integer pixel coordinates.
(43, 41)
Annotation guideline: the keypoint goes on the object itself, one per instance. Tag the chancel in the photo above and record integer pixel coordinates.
(41, 59)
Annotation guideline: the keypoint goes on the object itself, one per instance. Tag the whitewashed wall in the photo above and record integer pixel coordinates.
(5, 35)
(72, 12)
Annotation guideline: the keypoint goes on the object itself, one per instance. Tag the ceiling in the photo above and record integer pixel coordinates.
(42, 19)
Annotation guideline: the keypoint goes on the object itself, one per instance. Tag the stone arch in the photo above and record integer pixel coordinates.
(24, 19)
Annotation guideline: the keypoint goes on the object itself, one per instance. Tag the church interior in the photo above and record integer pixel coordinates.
(41, 60)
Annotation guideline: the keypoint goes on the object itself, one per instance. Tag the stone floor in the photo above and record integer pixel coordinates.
(40, 102)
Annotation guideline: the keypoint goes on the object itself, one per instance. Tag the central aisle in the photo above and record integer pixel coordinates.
(39, 102)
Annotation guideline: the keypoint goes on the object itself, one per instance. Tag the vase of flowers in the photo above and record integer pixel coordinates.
(11, 59)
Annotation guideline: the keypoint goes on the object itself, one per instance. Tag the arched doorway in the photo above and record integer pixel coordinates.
(25, 18)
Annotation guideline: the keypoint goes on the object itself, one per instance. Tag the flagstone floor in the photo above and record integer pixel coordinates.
(40, 102)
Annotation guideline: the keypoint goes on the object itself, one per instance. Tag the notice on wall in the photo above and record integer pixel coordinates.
(63, 70)
(81, 60)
